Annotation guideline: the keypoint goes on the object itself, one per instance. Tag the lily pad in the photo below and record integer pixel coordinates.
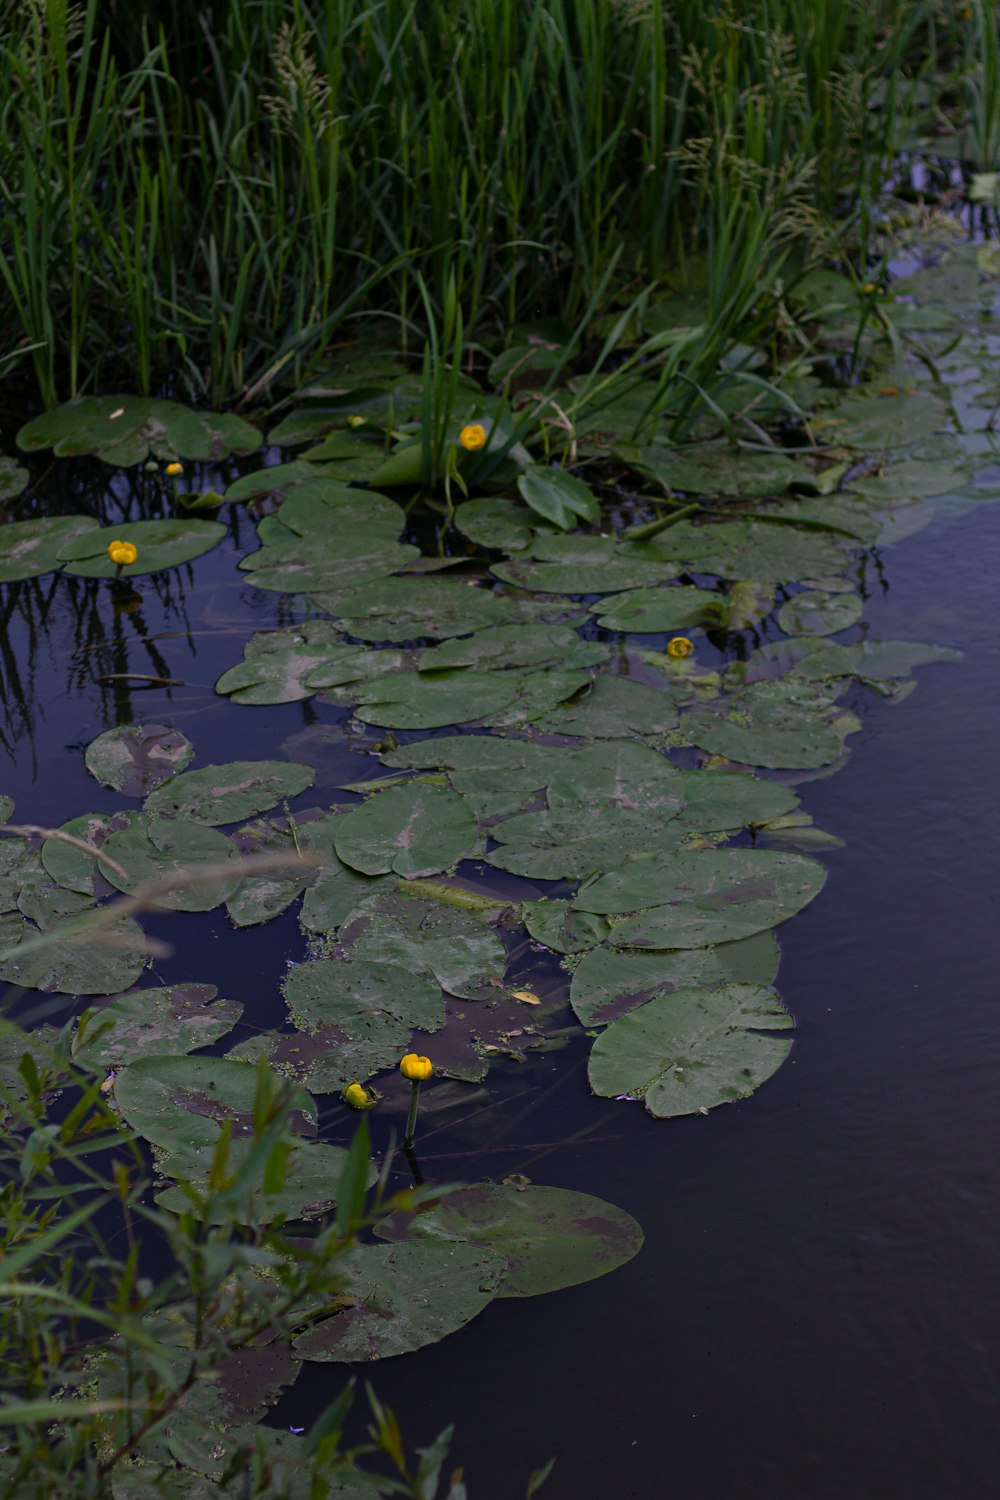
(160, 544)
(548, 1237)
(73, 963)
(650, 611)
(180, 1103)
(460, 952)
(432, 700)
(560, 844)
(122, 430)
(509, 646)
(556, 925)
(693, 898)
(352, 996)
(710, 470)
(725, 801)
(311, 1182)
(557, 496)
(583, 565)
(496, 523)
(766, 724)
(865, 421)
(611, 708)
(415, 829)
(71, 867)
(302, 564)
(276, 662)
(606, 984)
(398, 1298)
(30, 548)
(135, 758)
(227, 793)
(819, 614)
(407, 609)
(172, 1018)
(156, 849)
(13, 479)
(745, 549)
(688, 1051)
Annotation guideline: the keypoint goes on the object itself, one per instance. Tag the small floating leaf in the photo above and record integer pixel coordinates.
(226, 793)
(650, 611)
(819, 613)
(557, 496)
(135, 758)
(693, 1049)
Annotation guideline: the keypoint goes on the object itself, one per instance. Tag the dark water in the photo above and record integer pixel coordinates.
(815, 1312)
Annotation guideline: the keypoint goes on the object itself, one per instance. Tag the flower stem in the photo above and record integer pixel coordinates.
(411, 1119)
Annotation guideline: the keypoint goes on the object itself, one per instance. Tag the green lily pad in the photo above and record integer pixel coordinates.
(160, 544)
(260, 897)
(6, 808)
(819, 613)
(155, 849)
(873, 661)
(311, 1182)
(650, 611)
(416, 829)
(13, 479)
(560, 844)
(414, 700)
(912, 479)
(72, 867)
(122, 430)
(583, 565)
(549, 1237)
(426, 937)
(606, 984)
(556, 925)
(353, 996)
(507, 646)
(496, 523)
(135, 758)
(613, 707)
(227, 793)
(557, 496)
(715, 470)
(865, 421)
(304, 564)
(688, 1051)
(398, 1298)
(693, 898)
(408, 609)
(334, 893)
(766, 724)
(71, 963)
(744, 549)
(30, 548)
(171, 1018)
(180, 1103)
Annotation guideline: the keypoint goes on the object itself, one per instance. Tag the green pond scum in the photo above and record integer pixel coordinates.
(565, 540)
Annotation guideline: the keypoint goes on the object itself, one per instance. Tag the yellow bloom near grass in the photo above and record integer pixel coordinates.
(473, 437)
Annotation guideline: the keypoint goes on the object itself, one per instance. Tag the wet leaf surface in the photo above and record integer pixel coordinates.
(135, 758)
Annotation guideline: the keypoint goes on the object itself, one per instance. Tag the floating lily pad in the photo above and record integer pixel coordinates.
(866, 421)
(819, 613)
(123, 430)
(556, 925)
(766, 724)
(72, 867)
(606, 984)
(353, 996)
(496, 523)
(416, 700)
(693, 898)
(557, 496)
(156, 849)
(311, 1182)
(745, 549)
(71, 963)
(614, 707)
(398, 1298)
(227, 793)
(650, 611)
(260, 897)
(6, 808)
(160, 544)
(334, 893)
(303, 564)
(693, 1049)
(173, 1018)
(873, 661)
(180, 1103)
(583, 565)
(407, 609)
(135, 758)
(426, 937)
(276, 662)
(13, 479)
(710, 470)
(549, 1237)
(415, 829)
(561, 844)
(725, 801)
(30, 548)
(508, 646)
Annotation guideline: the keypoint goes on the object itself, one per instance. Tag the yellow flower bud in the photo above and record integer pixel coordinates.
(122, 553)
(415, 1068)
(355, 420)
(357, 1096)
(473, 437)
(679, 647)
(175, 470)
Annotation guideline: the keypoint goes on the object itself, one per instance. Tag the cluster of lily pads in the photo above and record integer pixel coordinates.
(516, 712)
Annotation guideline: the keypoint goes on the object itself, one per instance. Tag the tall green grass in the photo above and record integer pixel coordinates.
(201, 196)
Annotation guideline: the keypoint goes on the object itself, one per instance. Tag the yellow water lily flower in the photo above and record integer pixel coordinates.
(679, 647)
(473, 437)
(415, 1068)
(122, 553)
(355, 420)
(356, 1095)
(174, 470)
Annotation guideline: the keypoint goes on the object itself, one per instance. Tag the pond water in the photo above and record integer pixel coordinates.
(815, 1310)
